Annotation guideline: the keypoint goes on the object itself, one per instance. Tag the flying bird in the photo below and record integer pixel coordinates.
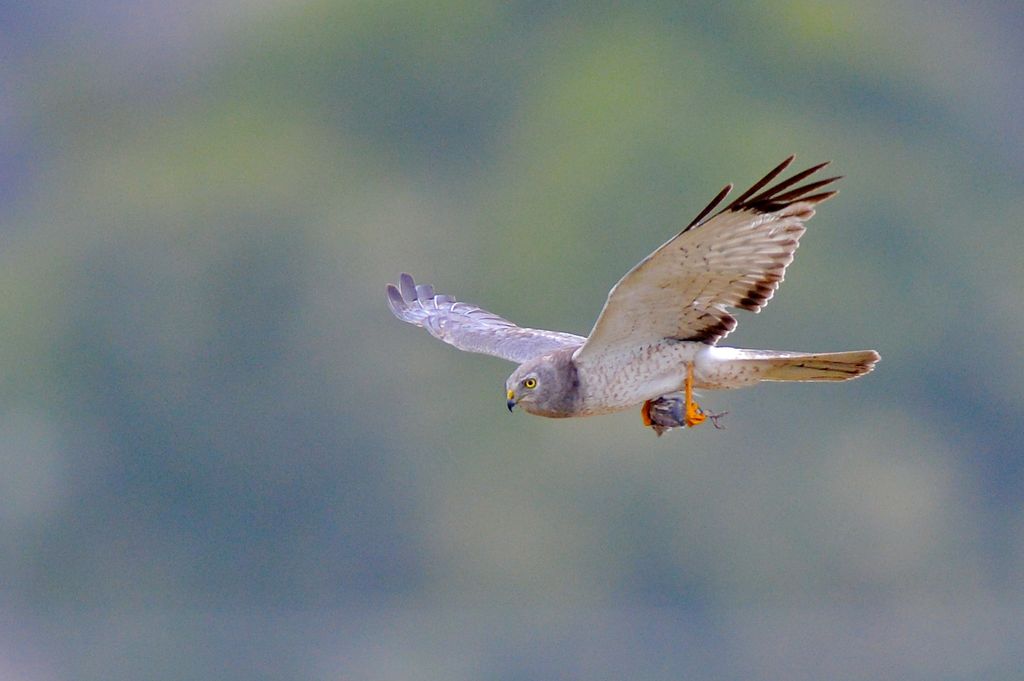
(656, 340)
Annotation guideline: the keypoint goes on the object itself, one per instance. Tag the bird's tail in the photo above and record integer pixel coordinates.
(768, 365)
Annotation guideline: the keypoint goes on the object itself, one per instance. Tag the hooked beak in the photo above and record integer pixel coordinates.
(511, 401)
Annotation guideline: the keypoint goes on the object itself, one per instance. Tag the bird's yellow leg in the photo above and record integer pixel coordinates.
(694, 414)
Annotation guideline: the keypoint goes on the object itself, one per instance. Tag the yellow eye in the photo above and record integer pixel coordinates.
(530, 383)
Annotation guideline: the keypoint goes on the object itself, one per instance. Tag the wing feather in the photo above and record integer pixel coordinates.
(471, 328)
(735, 258)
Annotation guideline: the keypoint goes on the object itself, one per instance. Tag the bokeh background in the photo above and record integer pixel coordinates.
(221, 457)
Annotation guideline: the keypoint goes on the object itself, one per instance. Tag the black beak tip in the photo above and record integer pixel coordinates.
(511, 404)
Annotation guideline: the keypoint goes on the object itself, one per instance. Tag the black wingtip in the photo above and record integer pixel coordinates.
(776, 197)
(820, 198)
(804, 190)
(781, 195)
(772, 174)
(711, 206)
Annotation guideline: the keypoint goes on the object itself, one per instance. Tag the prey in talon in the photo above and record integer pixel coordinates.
(657, 338)
(678, 410)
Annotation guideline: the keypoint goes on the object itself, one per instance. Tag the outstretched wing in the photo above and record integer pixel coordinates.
(736, 258)
(470, 328)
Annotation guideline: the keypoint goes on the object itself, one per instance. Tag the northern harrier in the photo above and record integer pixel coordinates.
(656, 339)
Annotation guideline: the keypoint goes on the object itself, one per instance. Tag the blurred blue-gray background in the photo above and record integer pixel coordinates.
(222, 458)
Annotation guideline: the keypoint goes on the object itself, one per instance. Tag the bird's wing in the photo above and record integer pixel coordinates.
(735, 258)
(468, 327)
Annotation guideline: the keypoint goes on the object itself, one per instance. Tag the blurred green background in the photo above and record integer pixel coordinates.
(222, 458)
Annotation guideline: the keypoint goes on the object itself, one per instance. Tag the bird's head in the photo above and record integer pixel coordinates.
(547, 386)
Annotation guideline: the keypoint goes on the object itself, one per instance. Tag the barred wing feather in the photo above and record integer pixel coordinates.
(735, 258)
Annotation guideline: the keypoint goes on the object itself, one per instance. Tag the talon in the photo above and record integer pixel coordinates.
(714, 419)
(694, 414)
